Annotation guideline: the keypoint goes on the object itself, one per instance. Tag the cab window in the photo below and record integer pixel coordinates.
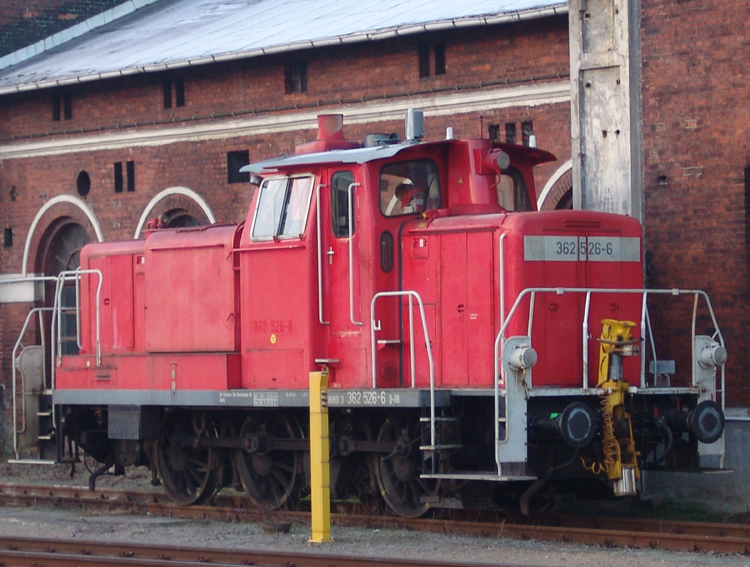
(410, 187)
(511, 191)
(340, 182)
(282, 208)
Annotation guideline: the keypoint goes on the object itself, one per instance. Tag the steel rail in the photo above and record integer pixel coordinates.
(619, 532)
(56, 552)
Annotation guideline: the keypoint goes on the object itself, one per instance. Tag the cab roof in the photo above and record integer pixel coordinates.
(364, 155)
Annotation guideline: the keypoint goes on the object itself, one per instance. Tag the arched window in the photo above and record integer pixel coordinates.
(566, 201)
(179, 218)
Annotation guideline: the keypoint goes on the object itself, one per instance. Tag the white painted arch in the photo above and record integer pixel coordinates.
(200, 201)
(46, 207)
(562, 170)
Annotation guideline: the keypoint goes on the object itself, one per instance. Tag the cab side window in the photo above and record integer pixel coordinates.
(340, 182)
(511, 191)
(410, 187)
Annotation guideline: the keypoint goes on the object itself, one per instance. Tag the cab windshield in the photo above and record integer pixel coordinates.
(282, 208)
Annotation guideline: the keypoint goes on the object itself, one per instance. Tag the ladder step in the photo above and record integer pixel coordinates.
(439, 447)
(45, 438)
(444, 419)
(478, 476)
(389, 342)
(30, 462)
(44, 413)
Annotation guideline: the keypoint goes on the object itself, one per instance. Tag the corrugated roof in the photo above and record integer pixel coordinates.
(179, 33)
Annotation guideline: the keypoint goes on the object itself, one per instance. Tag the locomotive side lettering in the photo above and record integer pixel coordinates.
(273, 326)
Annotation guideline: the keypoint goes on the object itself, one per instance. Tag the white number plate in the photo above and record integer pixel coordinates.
(581, 248)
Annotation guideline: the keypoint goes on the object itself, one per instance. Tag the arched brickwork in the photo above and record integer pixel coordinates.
(53, 217)
(173, 204)
(558, 195)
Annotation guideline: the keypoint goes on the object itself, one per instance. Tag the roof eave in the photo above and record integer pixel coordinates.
(378, 35)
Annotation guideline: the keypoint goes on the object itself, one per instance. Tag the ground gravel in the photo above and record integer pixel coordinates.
(121, 527)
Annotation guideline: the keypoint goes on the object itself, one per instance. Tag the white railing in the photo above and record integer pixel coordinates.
(319, 250)
(19, 343)
(57, 310)
(350, 211)
(644, 324)
(376, 326)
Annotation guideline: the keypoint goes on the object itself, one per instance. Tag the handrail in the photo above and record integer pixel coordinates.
(501, 252)
(56, 340)
(585, 339)
(501, 374)
(55, 333)
(351, 253)
(644, 292)
(499, 371)
(78, 313)
(377, 327)
(320, 255)
(644, 322)
(14, 355)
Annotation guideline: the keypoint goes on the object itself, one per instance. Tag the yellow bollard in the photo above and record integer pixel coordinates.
(320, 469)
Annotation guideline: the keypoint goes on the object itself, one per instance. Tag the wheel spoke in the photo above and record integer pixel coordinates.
(289, 467)
(280, 476)
(199, 463)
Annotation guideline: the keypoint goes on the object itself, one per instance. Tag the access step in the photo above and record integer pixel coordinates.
(478, 476)
(439, 447)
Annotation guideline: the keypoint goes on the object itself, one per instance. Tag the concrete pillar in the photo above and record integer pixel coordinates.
(605, 106)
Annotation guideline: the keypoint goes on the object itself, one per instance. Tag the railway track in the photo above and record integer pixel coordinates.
(66, 553)
(613, 532)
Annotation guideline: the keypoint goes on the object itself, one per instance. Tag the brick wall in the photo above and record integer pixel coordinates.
(366, 72)
(338, 78)
(696, 111)
(23, 22)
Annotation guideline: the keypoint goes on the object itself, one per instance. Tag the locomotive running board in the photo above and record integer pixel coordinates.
(478, 476)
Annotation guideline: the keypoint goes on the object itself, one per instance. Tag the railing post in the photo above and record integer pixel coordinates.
(320, 255)
(350, 211)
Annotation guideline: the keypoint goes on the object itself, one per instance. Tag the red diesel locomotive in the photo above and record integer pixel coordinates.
(474, 346)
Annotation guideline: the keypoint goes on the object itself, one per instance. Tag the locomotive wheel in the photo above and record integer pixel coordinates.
(187, 473)
(90, 463)
(398, 473)
(353, 478)
(268, 476)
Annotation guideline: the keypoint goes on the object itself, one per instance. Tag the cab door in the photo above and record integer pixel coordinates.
(342, 310)
(280, 337)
